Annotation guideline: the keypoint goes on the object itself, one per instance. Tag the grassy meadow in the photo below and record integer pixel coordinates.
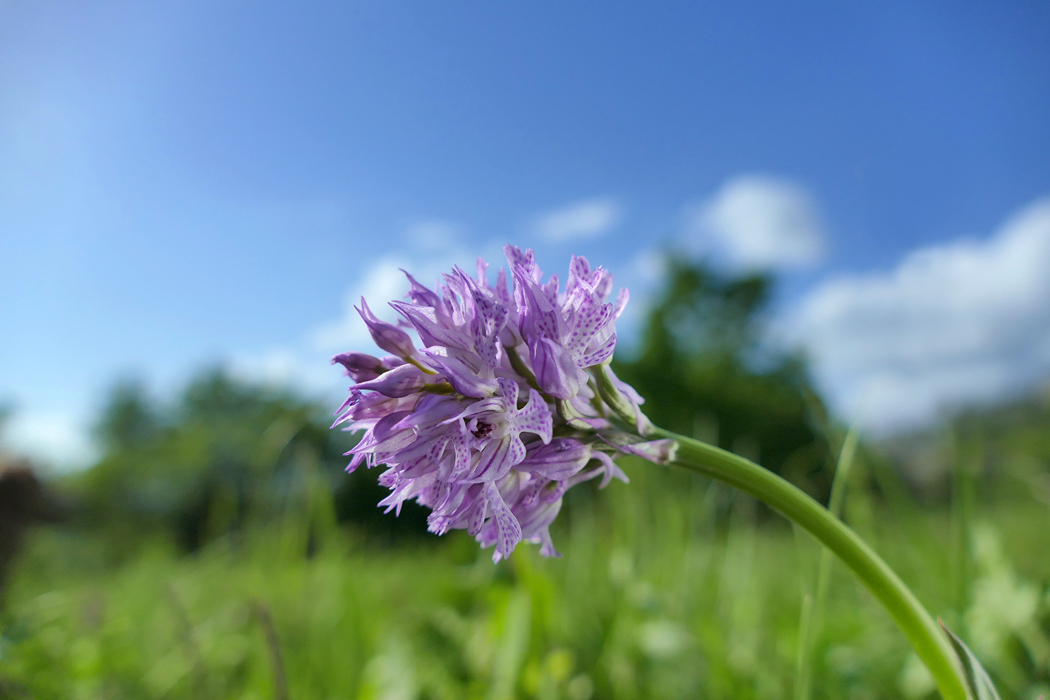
(669, 587)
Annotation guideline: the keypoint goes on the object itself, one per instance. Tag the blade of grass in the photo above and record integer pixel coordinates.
(965, 463)
(813, 606)
(189, 638)
(513, 646)
(273, 644)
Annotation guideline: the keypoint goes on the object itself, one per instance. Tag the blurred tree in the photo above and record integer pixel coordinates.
(129, 420)
(225, 454)
(705, 370)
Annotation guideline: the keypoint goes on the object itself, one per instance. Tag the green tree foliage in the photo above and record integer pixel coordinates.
(705, 370)
(224, 454)
(129, 421)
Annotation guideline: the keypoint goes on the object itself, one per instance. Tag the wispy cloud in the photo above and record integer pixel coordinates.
(382, 282)
(758, 222)
(588, 218)
(305, 370)
(55, 438)
(431, 249)
(434, 234)
(963, 322)
(643, 277)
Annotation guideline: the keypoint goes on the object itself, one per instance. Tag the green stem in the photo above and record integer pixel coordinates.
(931, 645)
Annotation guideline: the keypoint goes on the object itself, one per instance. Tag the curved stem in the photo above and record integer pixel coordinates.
(932, 646)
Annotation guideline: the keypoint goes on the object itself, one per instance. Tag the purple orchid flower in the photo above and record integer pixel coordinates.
(466, 426)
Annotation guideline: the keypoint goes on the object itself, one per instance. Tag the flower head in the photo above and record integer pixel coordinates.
(509, 402)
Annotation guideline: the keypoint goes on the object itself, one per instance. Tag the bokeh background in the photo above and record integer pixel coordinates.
(834, 221)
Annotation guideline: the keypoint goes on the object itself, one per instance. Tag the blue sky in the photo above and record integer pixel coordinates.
(184, 183)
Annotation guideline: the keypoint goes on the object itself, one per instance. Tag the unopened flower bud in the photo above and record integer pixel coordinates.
(360, 366)
(386, 335)
(397, 383)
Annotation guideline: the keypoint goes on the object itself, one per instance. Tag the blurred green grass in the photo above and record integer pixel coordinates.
(669, 587)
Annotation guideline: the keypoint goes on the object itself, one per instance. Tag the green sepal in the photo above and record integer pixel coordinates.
(571, 416)
(614, 398)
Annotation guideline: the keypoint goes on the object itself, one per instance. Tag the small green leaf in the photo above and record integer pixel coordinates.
(978, 685)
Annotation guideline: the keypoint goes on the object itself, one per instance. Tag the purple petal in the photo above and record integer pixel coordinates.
(556, 370)
(463, 378)
(589, 318)
(537, 517)
(501, 291)
(537, 316)
(425, 320)
(385, 429)
(509, 530)
(658, 451)
(602, 354)
(579, 271)
(535, 418)
(397, 383)
(355, 462)
(490, 317)
(496, 459)
(559, 460)
(386, 335)
(621, 302)
(461, 449)
(509, 389)
(526, 262)
(551, 290)
(434, 409)
(376, 405)
(547, 544)
(475, 516)
(421, 294)
(609, 470)
(360, 366)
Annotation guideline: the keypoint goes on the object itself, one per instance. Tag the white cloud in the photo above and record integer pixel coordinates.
(585, 219)
(431, 249)
(384, 282)
(959, 323)
(56, 440)
(642, 277)
(758, 222)
(433, 235)
(306, 364)
(283, 367)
